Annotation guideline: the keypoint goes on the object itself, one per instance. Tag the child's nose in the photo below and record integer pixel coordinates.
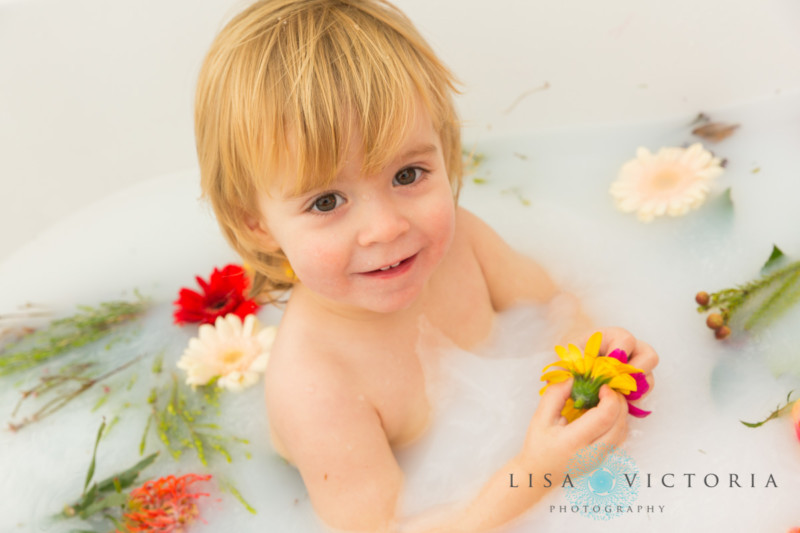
(384, 222)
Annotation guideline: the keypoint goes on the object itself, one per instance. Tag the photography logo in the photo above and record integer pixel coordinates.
(602, 489)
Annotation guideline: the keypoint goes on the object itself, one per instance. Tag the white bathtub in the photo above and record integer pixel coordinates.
(97, 159)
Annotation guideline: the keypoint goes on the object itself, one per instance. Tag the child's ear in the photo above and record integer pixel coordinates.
(262, 235)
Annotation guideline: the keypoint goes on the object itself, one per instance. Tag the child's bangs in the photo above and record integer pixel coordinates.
(355, 82)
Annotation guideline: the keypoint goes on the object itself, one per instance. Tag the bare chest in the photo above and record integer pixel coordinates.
(457, 309)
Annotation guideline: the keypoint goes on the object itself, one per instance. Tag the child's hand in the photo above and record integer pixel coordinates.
(640, 354)
(551, 442)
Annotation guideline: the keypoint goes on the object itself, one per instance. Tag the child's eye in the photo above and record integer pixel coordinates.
(327, 202)
(407, 176)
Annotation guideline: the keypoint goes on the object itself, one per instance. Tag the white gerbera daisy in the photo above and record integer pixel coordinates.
(231, 351)
(671, 182)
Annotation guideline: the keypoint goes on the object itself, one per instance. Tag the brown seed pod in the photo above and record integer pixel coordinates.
(715, 321)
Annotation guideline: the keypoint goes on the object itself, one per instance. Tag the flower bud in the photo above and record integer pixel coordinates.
(722, 332)
(715, 321)
(702, 298)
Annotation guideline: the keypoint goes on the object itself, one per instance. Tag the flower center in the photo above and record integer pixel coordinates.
(231, 357)
(219, 304)
(666, 179)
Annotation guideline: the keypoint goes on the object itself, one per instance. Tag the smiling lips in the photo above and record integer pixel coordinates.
(392, 270)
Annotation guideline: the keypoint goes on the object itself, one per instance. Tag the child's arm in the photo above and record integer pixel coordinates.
(337, 441)
(514, 278)
(549, 445)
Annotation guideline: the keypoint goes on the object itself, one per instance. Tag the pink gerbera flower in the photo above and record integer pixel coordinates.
(672, 181)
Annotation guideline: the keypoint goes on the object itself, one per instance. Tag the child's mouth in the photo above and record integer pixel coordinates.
(394, 269)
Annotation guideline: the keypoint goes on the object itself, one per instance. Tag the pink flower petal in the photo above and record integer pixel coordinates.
(635, 411)
(619, 355)
(642, 386)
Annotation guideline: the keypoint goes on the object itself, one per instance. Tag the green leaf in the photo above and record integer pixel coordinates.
(126, 478)
(774, 258)
(236, 494)
(144, 435)
(784, 297)
(90, 473)
(112, 500)
(726, 200)
(780, 410)
(86, 500)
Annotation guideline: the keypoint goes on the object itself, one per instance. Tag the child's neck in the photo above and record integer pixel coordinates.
(332, 308)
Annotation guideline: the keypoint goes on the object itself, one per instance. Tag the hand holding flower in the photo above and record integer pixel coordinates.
(591, 370)
(551, 442)
(640, 355)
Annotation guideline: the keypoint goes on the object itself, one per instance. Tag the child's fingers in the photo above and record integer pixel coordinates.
(552, 402)
(619, 428)
(644, 357)
(600, 421)
(617, 338)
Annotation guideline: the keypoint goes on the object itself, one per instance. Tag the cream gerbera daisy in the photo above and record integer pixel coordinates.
(671, 182)
(231, 351)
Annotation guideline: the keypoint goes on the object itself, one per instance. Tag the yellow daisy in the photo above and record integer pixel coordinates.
(591, 371)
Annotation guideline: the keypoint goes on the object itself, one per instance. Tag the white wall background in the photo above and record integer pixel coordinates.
(96, 95)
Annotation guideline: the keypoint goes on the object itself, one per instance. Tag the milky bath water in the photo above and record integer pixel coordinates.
(547, 194)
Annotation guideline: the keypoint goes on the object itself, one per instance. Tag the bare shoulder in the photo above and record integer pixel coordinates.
(511, 276)
(323, 423)
(302, 384)
(476, 231)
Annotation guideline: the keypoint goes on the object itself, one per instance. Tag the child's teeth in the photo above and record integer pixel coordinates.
(390, 266)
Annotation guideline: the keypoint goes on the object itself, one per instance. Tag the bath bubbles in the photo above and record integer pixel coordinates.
(547, 195)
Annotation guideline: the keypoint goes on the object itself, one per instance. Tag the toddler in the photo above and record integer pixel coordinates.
(329, 148)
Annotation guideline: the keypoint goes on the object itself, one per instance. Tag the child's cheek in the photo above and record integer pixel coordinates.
(440, 220)
(319, 263)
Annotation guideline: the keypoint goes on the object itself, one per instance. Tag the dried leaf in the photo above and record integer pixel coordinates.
(715, 131)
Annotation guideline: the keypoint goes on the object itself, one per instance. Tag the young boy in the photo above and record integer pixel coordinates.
(330, 150)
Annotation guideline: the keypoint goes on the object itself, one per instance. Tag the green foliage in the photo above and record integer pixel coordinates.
(763, 300)
(185, 421)
(107, 493)
(774, 258)
(89, 324)
(56, 391)
(779, 411)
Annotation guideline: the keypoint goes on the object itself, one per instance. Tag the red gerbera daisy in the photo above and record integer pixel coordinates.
(164, 505)
(224, 293)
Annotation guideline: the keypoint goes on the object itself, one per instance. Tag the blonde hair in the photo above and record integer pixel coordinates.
(288, 80)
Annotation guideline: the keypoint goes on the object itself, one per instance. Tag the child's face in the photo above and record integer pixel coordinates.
(341, 240)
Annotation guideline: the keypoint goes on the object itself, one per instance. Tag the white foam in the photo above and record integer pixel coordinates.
(155, 237)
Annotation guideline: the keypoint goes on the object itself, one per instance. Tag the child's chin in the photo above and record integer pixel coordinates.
(394, 303)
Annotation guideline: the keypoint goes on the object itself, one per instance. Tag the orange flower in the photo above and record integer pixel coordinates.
(164, 505)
